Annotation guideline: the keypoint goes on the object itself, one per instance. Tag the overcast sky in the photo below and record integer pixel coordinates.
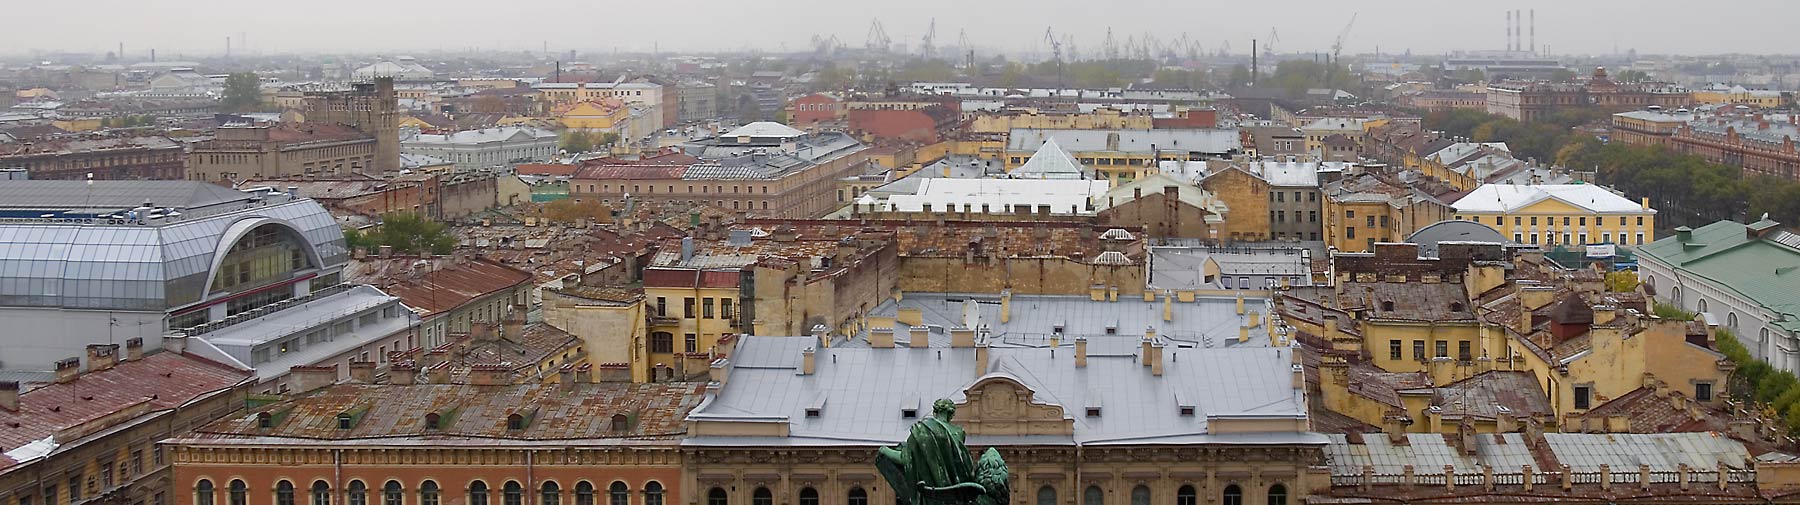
(200, 27)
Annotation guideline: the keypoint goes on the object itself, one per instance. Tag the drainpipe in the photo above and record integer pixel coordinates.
(530, 497)
(337, 475)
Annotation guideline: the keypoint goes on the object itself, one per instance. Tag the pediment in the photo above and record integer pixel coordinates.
(998, 404)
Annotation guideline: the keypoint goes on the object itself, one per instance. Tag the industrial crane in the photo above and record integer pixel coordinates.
(925, 47)
(1337, 51)
(878, 40)
(1111, 46)
(1269, 44)
(1055, 52)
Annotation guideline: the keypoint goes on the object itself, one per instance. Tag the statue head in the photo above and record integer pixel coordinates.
(943, 409)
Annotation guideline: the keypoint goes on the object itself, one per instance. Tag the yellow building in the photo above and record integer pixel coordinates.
(1365, 209)
(690, 311)
(1559, 214)
(1120, 156)
(1103, 118)
(1738, 95)
(604, 114)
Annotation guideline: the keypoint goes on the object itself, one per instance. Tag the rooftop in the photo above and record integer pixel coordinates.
(1758, 261)
(433, 285)
(1503, 198)
(62, 412)
(1206, 141)
(1207, 322)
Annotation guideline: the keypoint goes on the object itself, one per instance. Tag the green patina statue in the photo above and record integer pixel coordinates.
(933, 467)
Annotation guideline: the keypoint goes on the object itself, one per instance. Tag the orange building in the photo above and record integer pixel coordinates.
(575, 442)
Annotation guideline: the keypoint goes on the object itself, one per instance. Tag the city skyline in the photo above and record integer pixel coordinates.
(199, 28)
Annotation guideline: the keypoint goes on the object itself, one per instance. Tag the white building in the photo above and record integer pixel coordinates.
(1742, 277)
(487, 147)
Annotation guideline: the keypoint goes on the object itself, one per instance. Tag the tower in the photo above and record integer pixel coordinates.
(369, 107)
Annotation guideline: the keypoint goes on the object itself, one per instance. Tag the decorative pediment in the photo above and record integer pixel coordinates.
(998, 404)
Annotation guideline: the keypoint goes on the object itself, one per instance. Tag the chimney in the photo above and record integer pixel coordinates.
(565, 377)
(808, 361)
(67, 369)
(1643, 476)
(821, 335)
(102, 356)
(918, 337)
(584, 374)
(384, 252)
(307, 378)
(490, 374)
(176, 343)
(1168, 306)
(1449, 476)
(1156, 358)
(1080, 351)
(1005, 305)
(1144, 349)
(437, 374)
(513, 327)
(1529, 475)
(362, 372)
(616, 372)
(881, 338)
(403, 373)
(1568, 479)
(981, 358)
(719, 371)
(9, 396)
(962, 337)
(1240, 303)
(134, 349)
(1605, 477)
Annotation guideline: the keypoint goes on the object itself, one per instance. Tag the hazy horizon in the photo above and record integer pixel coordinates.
(198, 28)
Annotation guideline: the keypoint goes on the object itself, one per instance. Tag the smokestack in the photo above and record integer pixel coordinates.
(1534, 31)
(1252, 63)
(227, 46)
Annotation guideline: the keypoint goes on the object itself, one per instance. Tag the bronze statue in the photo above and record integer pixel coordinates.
(933, 467)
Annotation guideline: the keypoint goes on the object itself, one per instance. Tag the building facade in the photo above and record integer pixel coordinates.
(1534, 101)
(485, 148)
(103, 159)
(369, 107)
(1713, 270)
(262, 151)
(1559, 214)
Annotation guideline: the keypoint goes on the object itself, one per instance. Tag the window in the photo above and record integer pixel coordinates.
(1371, 221)
(1387, 306)
(1349, 214)
(391, 493)
(1640, 222)
(478, 493)
(662, 342)
(687, 308)
(716, 496)
(358, 493)
(653, 493)
(1703, 391)
(1419, 350)
(1394, 349)
(203, 493)
(1583, 396)
(428, 493)
(1187, 496)
(74, 489)
(49, 495)
(240, 493)
(809, 496)
(584, 493)
(1312, 216)
(512, 494)
(321, 493)
(725, 308)
(1140, 495)
(762, 496)
(706, 306)
(1442, 348)
(857, 497)
(662, 307)
(1462, 351)
(551, 492)
(284, 493)
(1519, 221)
(1566, 220)
(1093, 496)
(1278, 495)
(1233, 495)
(1350, 232)
(618, 495)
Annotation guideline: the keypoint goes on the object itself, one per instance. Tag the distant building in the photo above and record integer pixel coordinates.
(815, 108)
(371, 108)
(1648, 127)
(104, 158)
(240, 152)
(1441, 100)
(764, 168)
(1559, 214)
(648, 94)
(697, 101)
(1122, 155)
(487, 147)
(1761, 143)
(1533, 101)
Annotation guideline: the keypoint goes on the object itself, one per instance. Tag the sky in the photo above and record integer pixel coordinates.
(200, 27)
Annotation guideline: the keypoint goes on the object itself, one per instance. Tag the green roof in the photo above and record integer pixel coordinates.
(1764, 270)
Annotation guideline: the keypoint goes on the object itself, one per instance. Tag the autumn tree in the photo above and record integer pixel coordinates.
(243, 93)
(570, 210)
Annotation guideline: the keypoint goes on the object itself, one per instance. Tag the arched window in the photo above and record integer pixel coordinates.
(1702, 305)
(321, 493)
(1187, 496)
(1731, 321)
(1140, 495)
(1234, 495)
(717, 496)
(512, 494)
(653, 493)
(762, 496)
(1278, 495)
(1093, 496)
(478, 493)
(284, 493)
(428, 493)
(552, 493)
(358, 493)
(240, 493)
(391, 493)
(515, 422)
(203, 492)
(584, 493)
(1046, 495)
(809, 496)
(857, 497)
(618, 494)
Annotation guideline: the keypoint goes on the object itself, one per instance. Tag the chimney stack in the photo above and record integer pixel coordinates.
(918, 337)
(719, 370)
(962, 337)
(307, 378)
(881, 338)
(585, 373)
(1156, 358)
(1144, 347)
(565, 377)
(67, 369)
(9, 396)
(1005, 305)
(1081, 351)
(102, 356)
(176, 343)
(362, 372)
(808, 361)
(403, 373)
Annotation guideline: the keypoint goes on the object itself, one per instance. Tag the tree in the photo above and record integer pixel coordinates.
(405, 232)
(1632, 76)
(576, 141)
(243, 93)
(1623, 281)
(1240, 76)
(607, 139)
(1562, 75)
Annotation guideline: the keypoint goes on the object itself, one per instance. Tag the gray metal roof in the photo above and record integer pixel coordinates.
(1206, 322)
(55, 196)
(1184, 267)
(1210, 141)
(1583, 452)
(863, 392)
(1452, 230)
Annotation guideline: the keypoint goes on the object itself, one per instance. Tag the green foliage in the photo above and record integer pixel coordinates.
(580, 141)
(832, 78)
(1296, 76)
(1180, 78)
(243, 93)
(1631, 76)
(1672, 312)
(1786, 400)
(405, 232)
(1773, 386)
(926, 70)
(1240, 76)
(1562, 75)
(1623, 281)
(1792, 416)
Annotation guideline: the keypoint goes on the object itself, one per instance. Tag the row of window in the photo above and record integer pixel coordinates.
(392, 493)
(1281, 196)
(704, 189)
(104, 481)
(706, 308)
(1046, 495)
(1550, 238)
(1312, 216)
(1551, 220)
(1463, 347)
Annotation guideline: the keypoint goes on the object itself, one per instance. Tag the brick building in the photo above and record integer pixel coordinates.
(369, 107)
(264, 151)
(1533, 101)
(114, 158)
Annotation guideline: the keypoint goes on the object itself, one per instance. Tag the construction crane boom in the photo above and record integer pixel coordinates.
(1055, 52)
(877, 40)
(925, 47)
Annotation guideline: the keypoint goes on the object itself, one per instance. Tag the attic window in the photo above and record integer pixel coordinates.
(1058, 329)
(515, 422)
(1093, 411)
(904, 413)
(1387, 306)
(343, 421)
(1187, 410)
(264, 420)
(1456, 306)
(431, 421)
(620, 422)
(1112, 330)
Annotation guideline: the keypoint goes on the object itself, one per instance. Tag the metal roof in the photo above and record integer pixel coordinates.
(1209, 141)
(863, 391)
(1765, 271)
(764, 129)
(1050, 161)
(1516, 197)
(1207, 322)
(57, 196)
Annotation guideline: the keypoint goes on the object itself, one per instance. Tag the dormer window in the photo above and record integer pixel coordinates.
(1456, 307)
(1387, 306)
(515, 422)
(432, 421)
(620, 422)
(343, 421)
(1093, 411)
(264, 420)
(909, 413)
(1112, 330)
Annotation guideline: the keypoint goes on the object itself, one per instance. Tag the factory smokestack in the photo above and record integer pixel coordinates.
(1534, 31)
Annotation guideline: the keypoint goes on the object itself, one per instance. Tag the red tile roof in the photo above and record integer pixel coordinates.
(549, 169)
(313, 132)
(445, 286)
(636, 172)
(162, 381)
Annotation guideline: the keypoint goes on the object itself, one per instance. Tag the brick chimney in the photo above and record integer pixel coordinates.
(881, 338)
(1156, 357)
(615, 372)
(1081, 356)
(585, 373)
(176, 343)
(403, 373)
(918, 337)
(490, 375)
(306, 378)
(808, 361)
(9, 396)
(102, 356)
(962, 337)
(134, 349)
(565, 377)
(437, 374)
(362, 372)
(67, 369)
